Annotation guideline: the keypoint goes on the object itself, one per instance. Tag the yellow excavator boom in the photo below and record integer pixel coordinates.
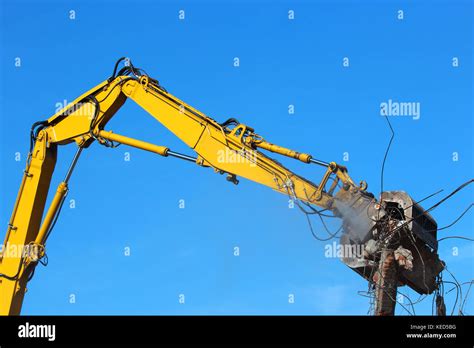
(230, 148)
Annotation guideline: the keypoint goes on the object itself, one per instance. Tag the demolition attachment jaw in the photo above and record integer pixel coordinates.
(396, 224)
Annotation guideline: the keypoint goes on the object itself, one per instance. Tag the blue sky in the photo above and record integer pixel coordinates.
(189, 251)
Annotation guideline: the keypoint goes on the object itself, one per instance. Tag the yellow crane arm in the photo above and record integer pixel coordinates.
(229, 148)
